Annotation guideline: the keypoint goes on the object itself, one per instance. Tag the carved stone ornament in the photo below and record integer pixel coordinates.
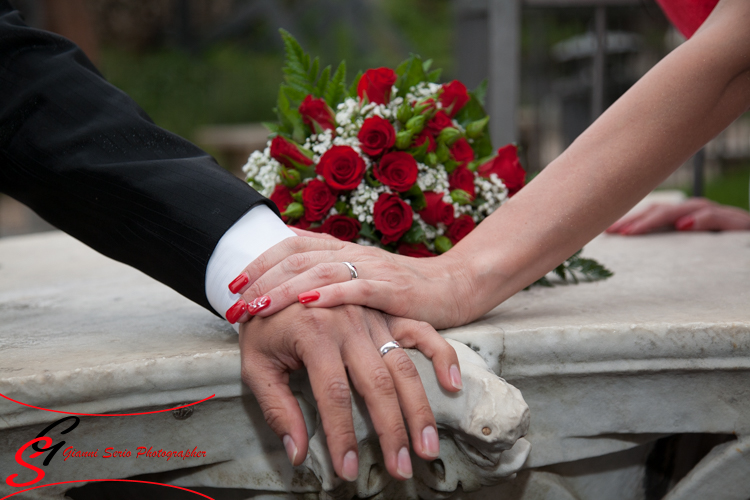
(480, 429)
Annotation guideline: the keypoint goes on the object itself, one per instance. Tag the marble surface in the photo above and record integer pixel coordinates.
(663, 347)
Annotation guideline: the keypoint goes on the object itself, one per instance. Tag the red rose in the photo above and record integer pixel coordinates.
(438, 123)
(341, 167)
(392, 217)
(436, 210)
(317, 199)
(282, 197)
(397, 170)
(288, 153)
(507, 167)
(376, 85)
(454, 97)
(462, 152)
(463, 178)
(340, 226)
(317, 112)
(425, 136)
(460, 228)
(376, 135)
(418, 250)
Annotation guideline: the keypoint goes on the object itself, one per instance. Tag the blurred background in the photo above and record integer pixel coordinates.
(209, 70)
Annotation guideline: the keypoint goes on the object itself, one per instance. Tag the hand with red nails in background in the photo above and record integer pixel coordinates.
(331, 344)
(696, 214)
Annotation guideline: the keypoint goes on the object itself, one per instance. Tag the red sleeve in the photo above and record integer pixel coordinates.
(687, 15)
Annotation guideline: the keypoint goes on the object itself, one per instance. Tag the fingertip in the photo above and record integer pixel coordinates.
(239, 283)
(350, 466)
(685, 223)
(307, 297)
(236, 312)
(455, 375)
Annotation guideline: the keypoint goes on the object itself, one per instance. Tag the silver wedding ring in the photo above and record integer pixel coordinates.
(389, 346)
(352, 270)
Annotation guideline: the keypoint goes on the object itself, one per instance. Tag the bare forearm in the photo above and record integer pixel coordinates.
(684, 101)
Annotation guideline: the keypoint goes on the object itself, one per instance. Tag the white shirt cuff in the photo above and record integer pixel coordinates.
(254, 233)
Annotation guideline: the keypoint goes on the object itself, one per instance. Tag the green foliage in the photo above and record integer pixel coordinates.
(473, 112)
(415, 234)
(335, 92)
(731, 188)
(180, 91)
(410, 73)
(303, 77)
(577, 269)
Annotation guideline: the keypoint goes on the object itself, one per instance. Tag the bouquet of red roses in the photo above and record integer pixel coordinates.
(396, 160)
(399, 160)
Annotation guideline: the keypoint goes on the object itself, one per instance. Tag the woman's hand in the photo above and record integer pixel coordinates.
(311, 270)
(696, 214)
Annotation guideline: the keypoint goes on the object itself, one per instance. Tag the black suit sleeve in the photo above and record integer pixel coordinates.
(86, 158)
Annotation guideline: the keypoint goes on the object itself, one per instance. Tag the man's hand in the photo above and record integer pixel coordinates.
(330, 343)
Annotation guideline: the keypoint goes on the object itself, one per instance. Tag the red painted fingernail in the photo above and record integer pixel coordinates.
(238, 283)
(306, 297)
(625, 229)
(685, 224)
(258, 304)
(234, 312)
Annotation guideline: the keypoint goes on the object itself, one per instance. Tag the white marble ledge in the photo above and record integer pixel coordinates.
(80, 332)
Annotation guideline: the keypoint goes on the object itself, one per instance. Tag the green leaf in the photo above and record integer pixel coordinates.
(410, 72)
(577, 269)
(296, 64)
(294, 211)
(471, 112)
(481, 91)
(418, 201)
(323, 82)
(414, 235)
(336, 88)
(312, 73)
(341, 207)
(371, 180)
(355, 83)
(482, 146)
(274, 128)
(434, 75)
(426, 65)
(366, 231)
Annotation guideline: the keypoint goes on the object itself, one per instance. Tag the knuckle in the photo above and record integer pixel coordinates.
(324, 272)
(293, 244)
(255, 290)
(403, 367)
(366, 288)
(397, 429)
(423, 412)
(286, 290)
(425, 328)
(338, 394)
(381, 381)
(296, 263)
